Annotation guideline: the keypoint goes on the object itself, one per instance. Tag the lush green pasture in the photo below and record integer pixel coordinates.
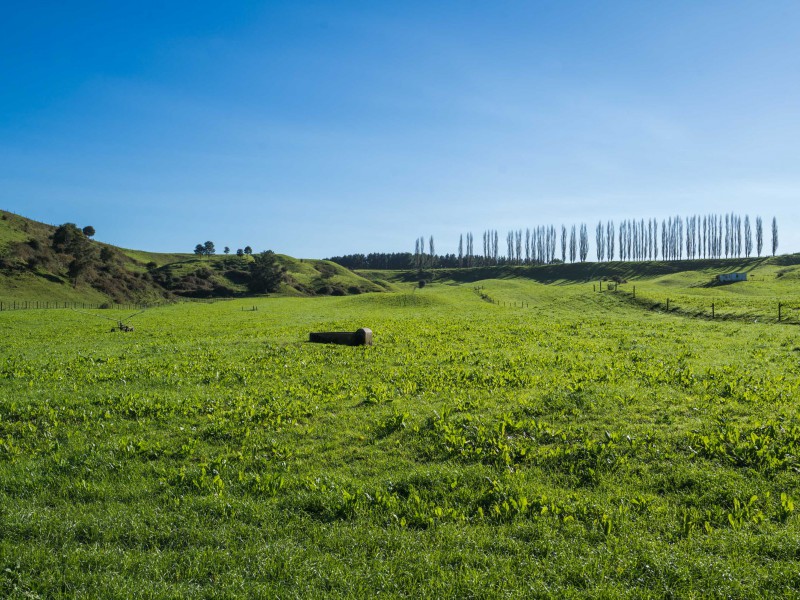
(693, 293)
(28, 287)
(581, 446)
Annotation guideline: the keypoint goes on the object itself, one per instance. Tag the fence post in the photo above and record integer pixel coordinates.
(712, 310)
(634, 291)
(667, 303)
(779, 312)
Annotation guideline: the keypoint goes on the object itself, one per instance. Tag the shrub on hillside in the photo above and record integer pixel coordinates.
(326, 271)
(266, 274)
(238, 276)
(106, 254)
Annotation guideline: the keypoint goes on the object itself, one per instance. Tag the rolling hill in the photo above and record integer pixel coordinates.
(44, 262)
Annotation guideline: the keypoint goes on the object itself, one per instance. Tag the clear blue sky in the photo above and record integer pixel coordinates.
(325, 128)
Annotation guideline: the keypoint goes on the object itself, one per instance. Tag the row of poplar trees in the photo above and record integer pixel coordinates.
(675, 238)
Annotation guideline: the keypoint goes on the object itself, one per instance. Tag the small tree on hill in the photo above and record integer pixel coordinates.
(208, 248)
(227, 250)
(239, 252)
(248, 250)
(65, 236)
(68, 239)
(88, 231)
(200, 250)
(265, 273)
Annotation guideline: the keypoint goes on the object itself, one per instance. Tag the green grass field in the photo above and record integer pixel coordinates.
(694, 292)
(585, 445)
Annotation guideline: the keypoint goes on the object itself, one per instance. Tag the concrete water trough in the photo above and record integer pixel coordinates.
(362, 337)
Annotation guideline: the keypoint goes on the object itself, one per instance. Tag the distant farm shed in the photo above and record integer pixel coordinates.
(730, 277)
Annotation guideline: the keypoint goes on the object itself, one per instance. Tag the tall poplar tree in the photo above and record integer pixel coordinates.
(748, 237)
(583, 243)
(527, 245)
(759, 236)
(600, 242)
(727, 235)
(774, 236)
(573, 244)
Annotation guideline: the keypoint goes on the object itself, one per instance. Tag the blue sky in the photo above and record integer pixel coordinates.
(326, 128)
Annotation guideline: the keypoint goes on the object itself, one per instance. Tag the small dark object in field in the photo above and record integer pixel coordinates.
(121, 325)
(421, 283)
(731, 277)
(362, 337)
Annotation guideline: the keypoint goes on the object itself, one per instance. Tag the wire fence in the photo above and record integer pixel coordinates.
(765, 309)
(54, 304)
(6, 305)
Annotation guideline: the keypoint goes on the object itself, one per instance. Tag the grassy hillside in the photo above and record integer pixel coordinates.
(42, 262)
(581, 446)
(35, 265)
(690, 286)
(706, 270)
(227, 276)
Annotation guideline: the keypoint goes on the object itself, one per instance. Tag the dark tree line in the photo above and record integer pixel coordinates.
(674, 238)
(376, 260)
(396, 261)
